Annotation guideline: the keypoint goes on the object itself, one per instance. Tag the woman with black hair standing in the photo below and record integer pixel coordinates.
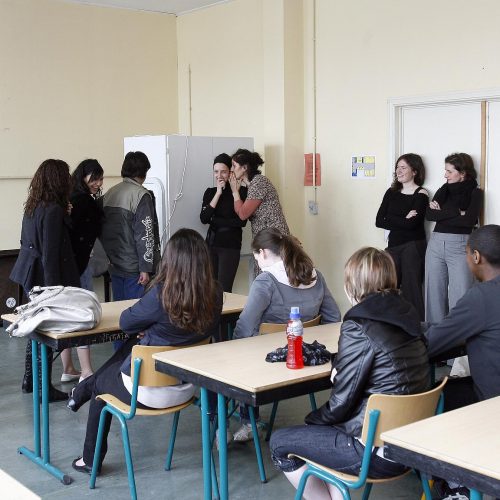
(402, 212)
(262, 205)
(455, 208)
(225, 231)
(86, 221)
(86, 215)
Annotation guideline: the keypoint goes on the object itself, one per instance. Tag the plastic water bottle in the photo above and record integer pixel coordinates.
(294, 332)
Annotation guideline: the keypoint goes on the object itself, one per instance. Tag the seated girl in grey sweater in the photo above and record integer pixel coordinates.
(288, 279)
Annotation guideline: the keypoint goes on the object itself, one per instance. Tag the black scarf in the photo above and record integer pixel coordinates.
(458, 193)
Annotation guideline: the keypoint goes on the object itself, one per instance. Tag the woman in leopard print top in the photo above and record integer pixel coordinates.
(262, 205)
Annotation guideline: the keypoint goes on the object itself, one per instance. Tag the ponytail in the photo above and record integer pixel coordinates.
(252, 160)
(298, 265)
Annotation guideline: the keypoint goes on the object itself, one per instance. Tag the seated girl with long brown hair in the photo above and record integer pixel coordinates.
(181, 307)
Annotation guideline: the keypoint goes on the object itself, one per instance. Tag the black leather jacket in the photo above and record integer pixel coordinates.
(381, 350)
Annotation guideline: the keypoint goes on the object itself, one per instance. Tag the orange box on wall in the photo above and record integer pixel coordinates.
(308, 173)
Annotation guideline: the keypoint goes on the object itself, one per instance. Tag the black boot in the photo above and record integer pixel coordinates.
(27, 386)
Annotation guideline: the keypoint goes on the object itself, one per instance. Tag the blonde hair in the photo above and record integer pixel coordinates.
(369, 270)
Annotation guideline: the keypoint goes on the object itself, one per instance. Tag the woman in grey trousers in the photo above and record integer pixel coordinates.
(455, 208)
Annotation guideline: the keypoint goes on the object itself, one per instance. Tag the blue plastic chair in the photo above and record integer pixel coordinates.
(143, 373)
(383, 412)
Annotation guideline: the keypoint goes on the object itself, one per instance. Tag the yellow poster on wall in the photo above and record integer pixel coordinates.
(363, 167)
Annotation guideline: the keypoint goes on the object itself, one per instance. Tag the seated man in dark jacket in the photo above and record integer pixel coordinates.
(381, 350)
(475, 321)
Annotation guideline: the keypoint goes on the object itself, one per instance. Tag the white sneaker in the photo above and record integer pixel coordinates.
(229, 437)
(69, 377)
(244, 433)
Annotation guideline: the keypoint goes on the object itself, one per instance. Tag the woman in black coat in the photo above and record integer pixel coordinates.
(86, 215)
(86, 222)
(46, 255)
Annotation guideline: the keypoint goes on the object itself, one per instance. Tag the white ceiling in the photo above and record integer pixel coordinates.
(176, 7)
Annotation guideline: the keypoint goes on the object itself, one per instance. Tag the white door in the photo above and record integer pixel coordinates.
(492, 191)
(434, 131)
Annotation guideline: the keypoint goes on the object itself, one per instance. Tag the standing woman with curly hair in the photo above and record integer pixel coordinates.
(181, 307)
(262, 205)
(46, 255)
(402, 212)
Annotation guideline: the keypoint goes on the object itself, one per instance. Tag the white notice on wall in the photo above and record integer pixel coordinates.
(363, 167)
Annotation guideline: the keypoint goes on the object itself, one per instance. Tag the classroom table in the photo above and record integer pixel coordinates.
(460, 446)
(107, 330)
(238, 370)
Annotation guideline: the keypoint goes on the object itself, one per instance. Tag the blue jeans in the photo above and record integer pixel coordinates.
(87, 280)
(124, 289)
(327, 446)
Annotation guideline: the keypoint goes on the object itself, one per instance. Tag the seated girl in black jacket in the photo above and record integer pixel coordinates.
(381, 350)
(181, 307)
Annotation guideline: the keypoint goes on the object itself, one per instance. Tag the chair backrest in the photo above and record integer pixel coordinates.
(396, 411)
(148, 376)
(281, 327)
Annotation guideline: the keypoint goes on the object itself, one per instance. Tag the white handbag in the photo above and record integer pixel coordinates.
(57, 309)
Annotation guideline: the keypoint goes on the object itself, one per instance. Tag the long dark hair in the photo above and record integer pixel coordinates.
(189, 290)
(416, 164)
(51, 183)
(298, 265)
(87, 167)
(252, 160)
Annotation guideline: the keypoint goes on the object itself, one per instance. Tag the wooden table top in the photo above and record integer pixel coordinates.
(111, 311)
(241, 363)
(467, 438)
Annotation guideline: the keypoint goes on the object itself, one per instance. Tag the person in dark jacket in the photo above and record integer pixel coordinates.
(128, 232)
(46, 255)
(475, 321)
(128, 229)
(381, 351)
(225, 230)
(86, 215)
(181, 307)
(86, 222)
(402, 212)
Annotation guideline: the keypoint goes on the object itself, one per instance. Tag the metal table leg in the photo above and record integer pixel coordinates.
(41, 459)
(207, 448)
